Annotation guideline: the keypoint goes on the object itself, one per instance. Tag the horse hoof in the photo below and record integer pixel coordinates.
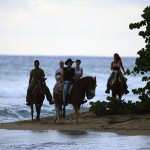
(28, 104)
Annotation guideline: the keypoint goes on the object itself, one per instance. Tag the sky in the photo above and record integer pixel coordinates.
(70, 27)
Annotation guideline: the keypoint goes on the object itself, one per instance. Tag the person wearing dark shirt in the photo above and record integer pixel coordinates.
(68, 75)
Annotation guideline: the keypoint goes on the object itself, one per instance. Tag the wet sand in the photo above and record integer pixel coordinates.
(121, 124)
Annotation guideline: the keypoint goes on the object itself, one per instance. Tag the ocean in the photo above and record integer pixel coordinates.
(70, 140)
(14, 78)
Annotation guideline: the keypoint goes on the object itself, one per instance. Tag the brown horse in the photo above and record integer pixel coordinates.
(83, 87)
(37, 97)
(116, 85)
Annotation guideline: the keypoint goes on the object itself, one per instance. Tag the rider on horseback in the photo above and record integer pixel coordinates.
(36, 74)
(78, 69)
(59, 72)
(117, 65)
(68, 75)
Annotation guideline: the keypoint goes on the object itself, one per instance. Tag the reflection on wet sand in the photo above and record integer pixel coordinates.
(73, 132)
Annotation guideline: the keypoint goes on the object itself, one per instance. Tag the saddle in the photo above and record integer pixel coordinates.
(113, 80)
(58, 88)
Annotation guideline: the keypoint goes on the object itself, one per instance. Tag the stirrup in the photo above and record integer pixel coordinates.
(126, 92)
(28, 104)
(84, 101)
(51, 102)
(107, 91)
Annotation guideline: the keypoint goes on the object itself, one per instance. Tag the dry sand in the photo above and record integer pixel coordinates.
(121, 124)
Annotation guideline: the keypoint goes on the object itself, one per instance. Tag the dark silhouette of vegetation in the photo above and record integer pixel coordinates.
(142, 66)
(142, 63)
(117, 106)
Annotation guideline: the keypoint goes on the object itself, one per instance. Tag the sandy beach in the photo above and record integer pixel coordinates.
(121, 124)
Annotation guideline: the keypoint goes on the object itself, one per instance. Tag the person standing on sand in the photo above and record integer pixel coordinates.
(35, 75)
(78, 69)
(117, 65)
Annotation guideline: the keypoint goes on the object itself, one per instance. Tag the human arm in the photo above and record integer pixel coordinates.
(122, 66)
(30, 78)
(81, 72)
(62, 77)
(74, 75)
(43, 74)
(112, 65)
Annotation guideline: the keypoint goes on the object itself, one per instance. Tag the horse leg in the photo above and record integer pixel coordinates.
(76, 109)
(61, 111)
(64, 111)
(32, 111)
(120, 96)
(114, 95)
(38, 110)
(57, 117)
(77, 115)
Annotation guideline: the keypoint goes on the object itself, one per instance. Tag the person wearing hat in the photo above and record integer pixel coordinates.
(78, 69)
(68, 75)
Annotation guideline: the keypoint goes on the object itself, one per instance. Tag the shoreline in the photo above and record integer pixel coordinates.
(138, 124)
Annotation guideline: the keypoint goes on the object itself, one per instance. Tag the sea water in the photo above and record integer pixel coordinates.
(70, 140)
(14, 79)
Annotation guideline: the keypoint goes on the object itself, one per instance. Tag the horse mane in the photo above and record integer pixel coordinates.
(81, 81)
(84, 78)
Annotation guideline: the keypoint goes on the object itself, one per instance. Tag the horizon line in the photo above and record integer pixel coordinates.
(38, 55)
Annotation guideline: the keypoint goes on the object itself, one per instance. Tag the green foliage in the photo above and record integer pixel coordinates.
(142, 63)
(119, 107)
(142, 66)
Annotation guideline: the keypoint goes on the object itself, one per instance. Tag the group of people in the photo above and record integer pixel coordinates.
(66, 76)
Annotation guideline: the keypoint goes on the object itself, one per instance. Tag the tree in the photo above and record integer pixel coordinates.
(142, 62)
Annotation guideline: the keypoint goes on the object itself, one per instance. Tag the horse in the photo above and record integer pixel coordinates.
(37, 97)
(116, 85)
(83, 87)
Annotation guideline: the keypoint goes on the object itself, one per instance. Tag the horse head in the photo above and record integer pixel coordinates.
(91, 86)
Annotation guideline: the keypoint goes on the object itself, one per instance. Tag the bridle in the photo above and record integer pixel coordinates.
(90, 90)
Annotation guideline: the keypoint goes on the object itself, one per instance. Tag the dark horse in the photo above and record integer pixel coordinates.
(83, 87)
(116, 85)
(37, 97)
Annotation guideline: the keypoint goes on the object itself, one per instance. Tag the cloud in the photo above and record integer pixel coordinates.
(79, 25)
